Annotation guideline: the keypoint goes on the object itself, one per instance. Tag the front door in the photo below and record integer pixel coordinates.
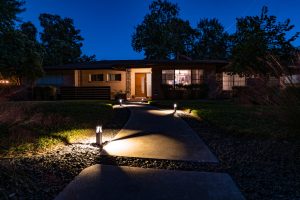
(140, 85)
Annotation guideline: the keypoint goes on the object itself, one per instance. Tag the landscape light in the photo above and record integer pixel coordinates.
(120, 101)
(99, 135)
(175, 107)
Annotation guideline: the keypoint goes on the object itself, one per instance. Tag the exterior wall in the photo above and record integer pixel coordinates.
(132, 80)
(157, 92)
(116, 86)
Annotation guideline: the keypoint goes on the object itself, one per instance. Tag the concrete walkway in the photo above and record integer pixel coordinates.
(130, 183)
(153, 133)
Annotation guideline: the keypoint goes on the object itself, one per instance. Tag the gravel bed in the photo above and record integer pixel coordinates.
(262, 168)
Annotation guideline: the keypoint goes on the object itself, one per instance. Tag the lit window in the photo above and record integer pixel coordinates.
(232, 80)
(96, 77)
(114, 77)
(182, 77)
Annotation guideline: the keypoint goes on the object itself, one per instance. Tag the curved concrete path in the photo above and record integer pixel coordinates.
(154, 133)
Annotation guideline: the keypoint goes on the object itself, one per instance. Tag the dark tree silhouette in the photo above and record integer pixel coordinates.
(262, 46)
(62, 41)
(212, 41)
(20, 53)
(162, 35)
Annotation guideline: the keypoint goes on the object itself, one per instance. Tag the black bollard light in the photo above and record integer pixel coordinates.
(175, 107)
(99, 135)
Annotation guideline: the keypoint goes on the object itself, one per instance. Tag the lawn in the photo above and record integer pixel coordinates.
(34, 126)
(250, 120)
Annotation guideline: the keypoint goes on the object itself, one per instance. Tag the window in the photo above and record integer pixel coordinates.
(168, 77)
(114, 77)
(96, 77)
(182, 77)
(232, 80)
(197, 76)
(51, 80)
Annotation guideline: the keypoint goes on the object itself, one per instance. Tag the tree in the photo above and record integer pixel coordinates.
(86, 58)
(212, 41)
(29, 30)
(8, 13)
(20, 53)
(21, 57)
(162, 35)
(261, 45)
(61, 40)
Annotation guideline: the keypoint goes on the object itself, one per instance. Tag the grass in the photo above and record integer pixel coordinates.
(246, 120)
(34, 126)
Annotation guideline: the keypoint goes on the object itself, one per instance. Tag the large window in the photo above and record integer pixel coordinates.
(51, 80)
(232, 80)
(114, 77)
(96, 77)
(182, 76)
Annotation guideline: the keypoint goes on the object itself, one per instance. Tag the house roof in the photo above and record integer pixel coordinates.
(112, 64)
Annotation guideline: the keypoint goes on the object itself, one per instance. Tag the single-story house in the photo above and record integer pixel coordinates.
(141, 78)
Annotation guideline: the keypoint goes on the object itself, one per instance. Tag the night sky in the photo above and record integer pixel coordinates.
(107, 25)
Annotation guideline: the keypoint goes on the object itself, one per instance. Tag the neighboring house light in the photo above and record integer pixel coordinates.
(4, 82)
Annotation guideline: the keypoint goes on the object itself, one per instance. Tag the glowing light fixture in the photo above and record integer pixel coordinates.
(99, 135)
(175, 107)
(121, 102)
(4, 81)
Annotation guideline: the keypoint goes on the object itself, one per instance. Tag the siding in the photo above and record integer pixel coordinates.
(116, 86)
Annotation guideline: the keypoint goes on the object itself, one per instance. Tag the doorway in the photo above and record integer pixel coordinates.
(141, 85)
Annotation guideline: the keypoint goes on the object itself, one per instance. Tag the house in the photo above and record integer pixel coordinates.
(137, 79)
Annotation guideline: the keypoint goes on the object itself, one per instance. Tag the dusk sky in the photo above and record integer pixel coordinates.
(107, 25)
